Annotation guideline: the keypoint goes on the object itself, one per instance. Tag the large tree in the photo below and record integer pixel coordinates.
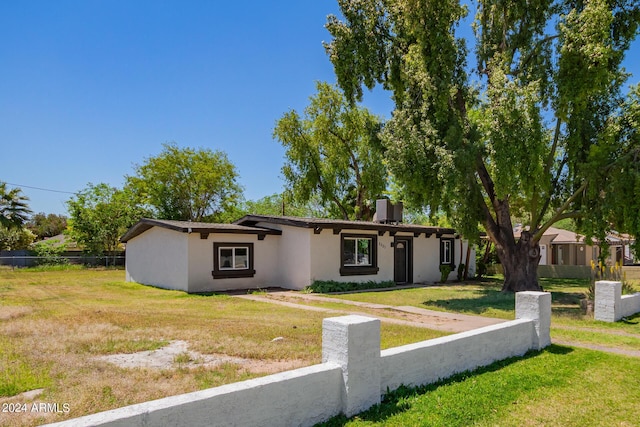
(187, 184)
(333, 152)
(14, 210)
(99, 215)
(537, 128)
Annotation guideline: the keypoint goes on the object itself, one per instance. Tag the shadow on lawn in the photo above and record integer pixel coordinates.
(486, 299)
(399, 400)
(563, 302)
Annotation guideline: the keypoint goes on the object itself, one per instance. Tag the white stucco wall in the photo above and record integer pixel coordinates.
(158, 257)
(426, 259)
(325, 257)
(291, 264)
(201, 255)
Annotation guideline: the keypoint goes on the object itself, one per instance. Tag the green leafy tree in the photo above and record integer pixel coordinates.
(333, 152)
(14, 210)
(187, 184)
(282, 204)
(99, 215)
(14, 239)
(539, 128)
(43, 225)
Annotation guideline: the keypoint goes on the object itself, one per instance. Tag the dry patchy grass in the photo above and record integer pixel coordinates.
(55, 324)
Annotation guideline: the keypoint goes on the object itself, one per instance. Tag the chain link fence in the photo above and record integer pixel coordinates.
(26, 259)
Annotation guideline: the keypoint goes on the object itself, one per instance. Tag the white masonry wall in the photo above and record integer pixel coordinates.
(353, 375)
(610, 305)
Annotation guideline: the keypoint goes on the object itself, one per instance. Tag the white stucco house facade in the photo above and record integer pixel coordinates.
(259, 251)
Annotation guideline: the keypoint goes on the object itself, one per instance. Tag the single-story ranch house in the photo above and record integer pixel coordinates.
(260, 251)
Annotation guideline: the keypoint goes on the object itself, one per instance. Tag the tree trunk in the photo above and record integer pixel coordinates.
(520, 265)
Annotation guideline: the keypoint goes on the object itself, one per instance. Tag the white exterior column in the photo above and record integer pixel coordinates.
(353, 342)
(608, 301)
(537, 307)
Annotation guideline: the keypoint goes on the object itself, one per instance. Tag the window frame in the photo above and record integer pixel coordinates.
(232, 272)
(359, 269)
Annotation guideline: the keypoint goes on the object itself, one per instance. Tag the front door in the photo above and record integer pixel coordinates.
(402, 272)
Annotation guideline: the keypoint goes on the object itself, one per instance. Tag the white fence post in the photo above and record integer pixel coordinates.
(537, 307)
(353, 342)
(608, 301)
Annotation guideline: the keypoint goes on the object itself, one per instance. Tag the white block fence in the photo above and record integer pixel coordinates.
(353, 376)
(610, 305)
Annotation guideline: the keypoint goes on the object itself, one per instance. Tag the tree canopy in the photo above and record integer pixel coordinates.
(99, 215)
(14, 210)
(43, 225)
(187, 184)
(333, 152)
(15, 238)
(538, 128)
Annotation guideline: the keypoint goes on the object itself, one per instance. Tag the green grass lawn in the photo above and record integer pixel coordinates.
(560, 386)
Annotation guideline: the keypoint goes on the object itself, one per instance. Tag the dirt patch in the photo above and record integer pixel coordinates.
(406, 315)
(177, 355)
(11, 312)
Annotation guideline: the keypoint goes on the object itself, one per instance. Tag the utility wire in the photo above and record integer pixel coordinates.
(39, 188)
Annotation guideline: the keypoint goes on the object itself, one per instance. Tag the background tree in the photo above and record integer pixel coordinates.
(282, 204)
(14, 210)
(43, 225)
(99, 215)
(333, 152)
(537, 129)
(15, 238)
(187, 184)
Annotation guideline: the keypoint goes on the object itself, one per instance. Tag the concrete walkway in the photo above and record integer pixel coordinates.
(399, 315)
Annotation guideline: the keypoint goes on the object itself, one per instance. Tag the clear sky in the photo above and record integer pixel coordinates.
(88, 88)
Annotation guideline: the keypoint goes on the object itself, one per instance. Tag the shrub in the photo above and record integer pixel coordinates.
(328, 286)
(49, 252)
(445, 270)
(461, 272)
(601, 271)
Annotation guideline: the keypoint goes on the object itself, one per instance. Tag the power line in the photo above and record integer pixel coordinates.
(39, 188)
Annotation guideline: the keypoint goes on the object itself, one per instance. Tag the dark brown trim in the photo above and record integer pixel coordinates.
(194, 227)
(356, 270)
(252, 220)
(217, 273)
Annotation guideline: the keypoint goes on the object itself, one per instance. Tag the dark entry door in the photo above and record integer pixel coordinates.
(402, 261)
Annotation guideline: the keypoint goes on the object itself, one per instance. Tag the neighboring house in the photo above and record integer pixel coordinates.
(564, 247)
(261, 251)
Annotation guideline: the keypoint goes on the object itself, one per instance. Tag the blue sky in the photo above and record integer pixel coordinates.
(89, 88)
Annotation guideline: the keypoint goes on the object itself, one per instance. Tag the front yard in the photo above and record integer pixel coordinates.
(56, 327)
